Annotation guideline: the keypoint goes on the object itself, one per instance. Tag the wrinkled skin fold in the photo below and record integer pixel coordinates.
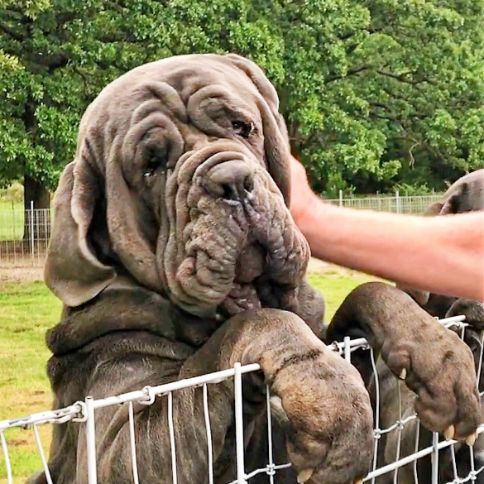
(206, 269)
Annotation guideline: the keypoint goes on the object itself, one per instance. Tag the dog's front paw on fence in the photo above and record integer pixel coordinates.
(320, 398)
(441, 373)
(432, 360)
(329, 418)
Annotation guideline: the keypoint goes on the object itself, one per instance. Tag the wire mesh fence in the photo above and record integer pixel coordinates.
(439, 452)
(414, 204)
(24, 234)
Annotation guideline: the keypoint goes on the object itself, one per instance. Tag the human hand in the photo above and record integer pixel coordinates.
(302, 196)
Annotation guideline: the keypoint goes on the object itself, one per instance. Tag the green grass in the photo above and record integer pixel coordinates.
(335, 286)
(11, 220)
(27, 310)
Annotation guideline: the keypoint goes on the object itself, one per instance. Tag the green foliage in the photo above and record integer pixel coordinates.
(376, 92)
(387, 92)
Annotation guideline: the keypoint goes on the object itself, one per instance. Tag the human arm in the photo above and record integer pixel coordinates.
(444, 255)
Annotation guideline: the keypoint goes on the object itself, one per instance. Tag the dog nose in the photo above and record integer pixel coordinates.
(231, 180)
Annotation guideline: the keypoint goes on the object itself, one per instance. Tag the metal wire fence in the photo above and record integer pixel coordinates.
(416, 204)
(83, 413)
(24, 234)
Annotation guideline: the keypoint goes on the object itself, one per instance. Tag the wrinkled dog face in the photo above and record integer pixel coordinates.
(187, 162)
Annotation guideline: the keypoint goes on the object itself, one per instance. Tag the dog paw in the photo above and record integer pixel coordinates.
(328, 418)
(439, 368)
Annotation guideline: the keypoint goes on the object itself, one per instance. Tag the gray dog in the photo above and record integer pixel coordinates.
(175, 255)
(465, 195)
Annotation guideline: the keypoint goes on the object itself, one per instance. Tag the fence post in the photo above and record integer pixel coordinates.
(91, 442)
(239, 425)
(398, 202)
(341, 198)
(347, 349)
(31, 230)
(435, 458)
(8, 465)
(13, 223)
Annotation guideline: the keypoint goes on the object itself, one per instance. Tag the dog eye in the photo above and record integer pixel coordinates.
(242, 128)
(156, 161)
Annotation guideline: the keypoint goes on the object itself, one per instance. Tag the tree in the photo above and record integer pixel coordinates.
(384, 92)
(376, 92)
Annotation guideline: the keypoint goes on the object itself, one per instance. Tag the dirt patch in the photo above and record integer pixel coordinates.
(21, 274)
(317, 266)
(18, 442)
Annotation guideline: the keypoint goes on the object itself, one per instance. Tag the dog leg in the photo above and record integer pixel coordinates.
(327, 410)
(433, 361)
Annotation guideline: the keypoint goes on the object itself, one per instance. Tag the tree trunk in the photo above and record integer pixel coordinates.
(39, 219)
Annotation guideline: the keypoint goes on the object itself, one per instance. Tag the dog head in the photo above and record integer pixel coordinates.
(465, 195)
(181, 182)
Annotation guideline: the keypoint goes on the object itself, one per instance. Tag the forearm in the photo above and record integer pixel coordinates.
(444, 255)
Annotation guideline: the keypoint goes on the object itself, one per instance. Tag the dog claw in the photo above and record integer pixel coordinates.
(304, 475)
(403, 374)
(449, 432)
(471, 439)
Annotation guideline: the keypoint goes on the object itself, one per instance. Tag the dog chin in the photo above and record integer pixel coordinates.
(251, 288)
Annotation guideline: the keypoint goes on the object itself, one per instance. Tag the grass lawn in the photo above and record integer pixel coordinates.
(11, 220)
(27, 310)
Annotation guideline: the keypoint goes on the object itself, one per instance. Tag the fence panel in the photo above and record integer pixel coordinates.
(24, 236)
(415, 204)
(84, 414)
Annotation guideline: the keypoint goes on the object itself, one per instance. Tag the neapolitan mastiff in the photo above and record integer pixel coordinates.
(465, 195)
(175, 255)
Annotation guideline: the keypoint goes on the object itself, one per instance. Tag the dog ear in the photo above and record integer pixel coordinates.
(465, 195)
(127, 224)
(276, 140)
(72, 270)
(451, 204)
